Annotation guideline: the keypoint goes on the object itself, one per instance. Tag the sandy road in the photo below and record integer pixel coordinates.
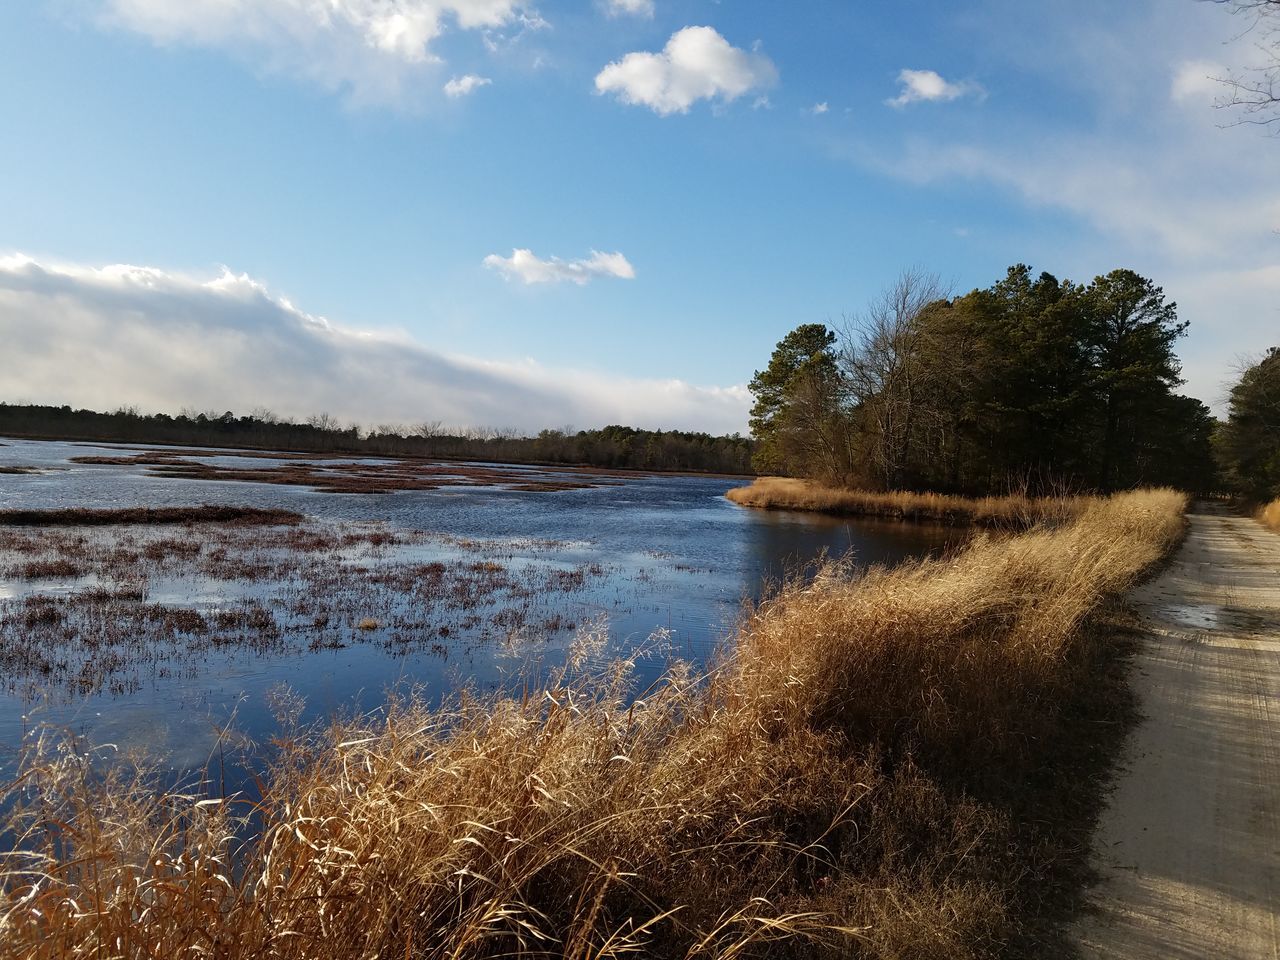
(1189, 848)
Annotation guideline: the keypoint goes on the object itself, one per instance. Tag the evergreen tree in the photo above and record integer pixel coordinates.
(805, 355)
(1133, 333)
(1249, 443)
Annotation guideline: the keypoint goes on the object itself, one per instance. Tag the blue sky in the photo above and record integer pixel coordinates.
(315, 222)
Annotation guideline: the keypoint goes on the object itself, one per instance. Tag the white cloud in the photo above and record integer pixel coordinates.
(461, 86)
(372, 50)
(634, 8)
(696, 64)
(120, 335)
(524, 266)
(928, 85)
(818, 109)
(1198, 81)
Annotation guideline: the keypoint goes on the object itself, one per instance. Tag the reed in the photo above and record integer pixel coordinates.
(852, 779)
(1016, 511)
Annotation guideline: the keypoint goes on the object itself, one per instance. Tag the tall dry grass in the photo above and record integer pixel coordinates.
(1270, 515)
(851, 780)
(1016, 511)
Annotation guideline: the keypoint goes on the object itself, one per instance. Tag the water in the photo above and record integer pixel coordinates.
(664, 553)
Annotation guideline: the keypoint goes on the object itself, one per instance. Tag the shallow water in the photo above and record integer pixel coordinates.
(660, 553)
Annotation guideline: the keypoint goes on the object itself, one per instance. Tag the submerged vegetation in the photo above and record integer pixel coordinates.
(101, 601)
(1008, 513)
(337, 475)
(615, 447)
(887, 766)
(147, 516)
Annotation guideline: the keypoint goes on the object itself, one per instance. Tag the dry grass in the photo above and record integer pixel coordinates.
(854, 779)
(1012, 512)
(1270, 515)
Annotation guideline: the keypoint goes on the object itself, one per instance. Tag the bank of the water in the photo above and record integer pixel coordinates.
(1010, 512)
(876, 769)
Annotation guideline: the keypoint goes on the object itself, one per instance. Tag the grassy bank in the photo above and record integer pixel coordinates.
(1011, 512)
(1270, 515)
(886, 767)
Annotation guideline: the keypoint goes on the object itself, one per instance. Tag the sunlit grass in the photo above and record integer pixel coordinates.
(1015, 511)
(1270, 515)
(835, 786)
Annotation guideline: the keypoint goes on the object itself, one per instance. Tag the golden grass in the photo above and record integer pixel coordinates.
(839, 785)
(1270, 515)
(1014, 512)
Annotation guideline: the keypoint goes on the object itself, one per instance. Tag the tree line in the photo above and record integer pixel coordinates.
(614, 447)
(1033, 382)
(1248, 444)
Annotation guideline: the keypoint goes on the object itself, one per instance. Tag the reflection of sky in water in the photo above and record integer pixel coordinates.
(678, 556)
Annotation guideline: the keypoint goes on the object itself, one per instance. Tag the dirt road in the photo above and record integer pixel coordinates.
(1190, 845)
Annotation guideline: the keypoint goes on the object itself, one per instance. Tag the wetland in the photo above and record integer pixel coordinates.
(150, 597)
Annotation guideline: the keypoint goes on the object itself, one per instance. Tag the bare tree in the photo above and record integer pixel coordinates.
(1256, 93)
(883, 356)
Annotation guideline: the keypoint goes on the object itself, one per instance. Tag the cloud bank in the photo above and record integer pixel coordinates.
(696, 64)
(368, 48)
(524, 266)
(125, 335)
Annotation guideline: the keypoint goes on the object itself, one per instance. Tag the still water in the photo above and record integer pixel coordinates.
(651, 553)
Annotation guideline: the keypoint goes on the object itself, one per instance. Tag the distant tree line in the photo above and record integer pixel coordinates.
(1033, 382)
(615, 447)
(1249, 442)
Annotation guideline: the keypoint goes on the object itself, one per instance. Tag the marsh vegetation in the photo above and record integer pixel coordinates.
(337, 475)
(93, 608)
(1013, 512)
(886, 765)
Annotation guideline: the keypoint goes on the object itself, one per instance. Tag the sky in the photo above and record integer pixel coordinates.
(566, 214)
